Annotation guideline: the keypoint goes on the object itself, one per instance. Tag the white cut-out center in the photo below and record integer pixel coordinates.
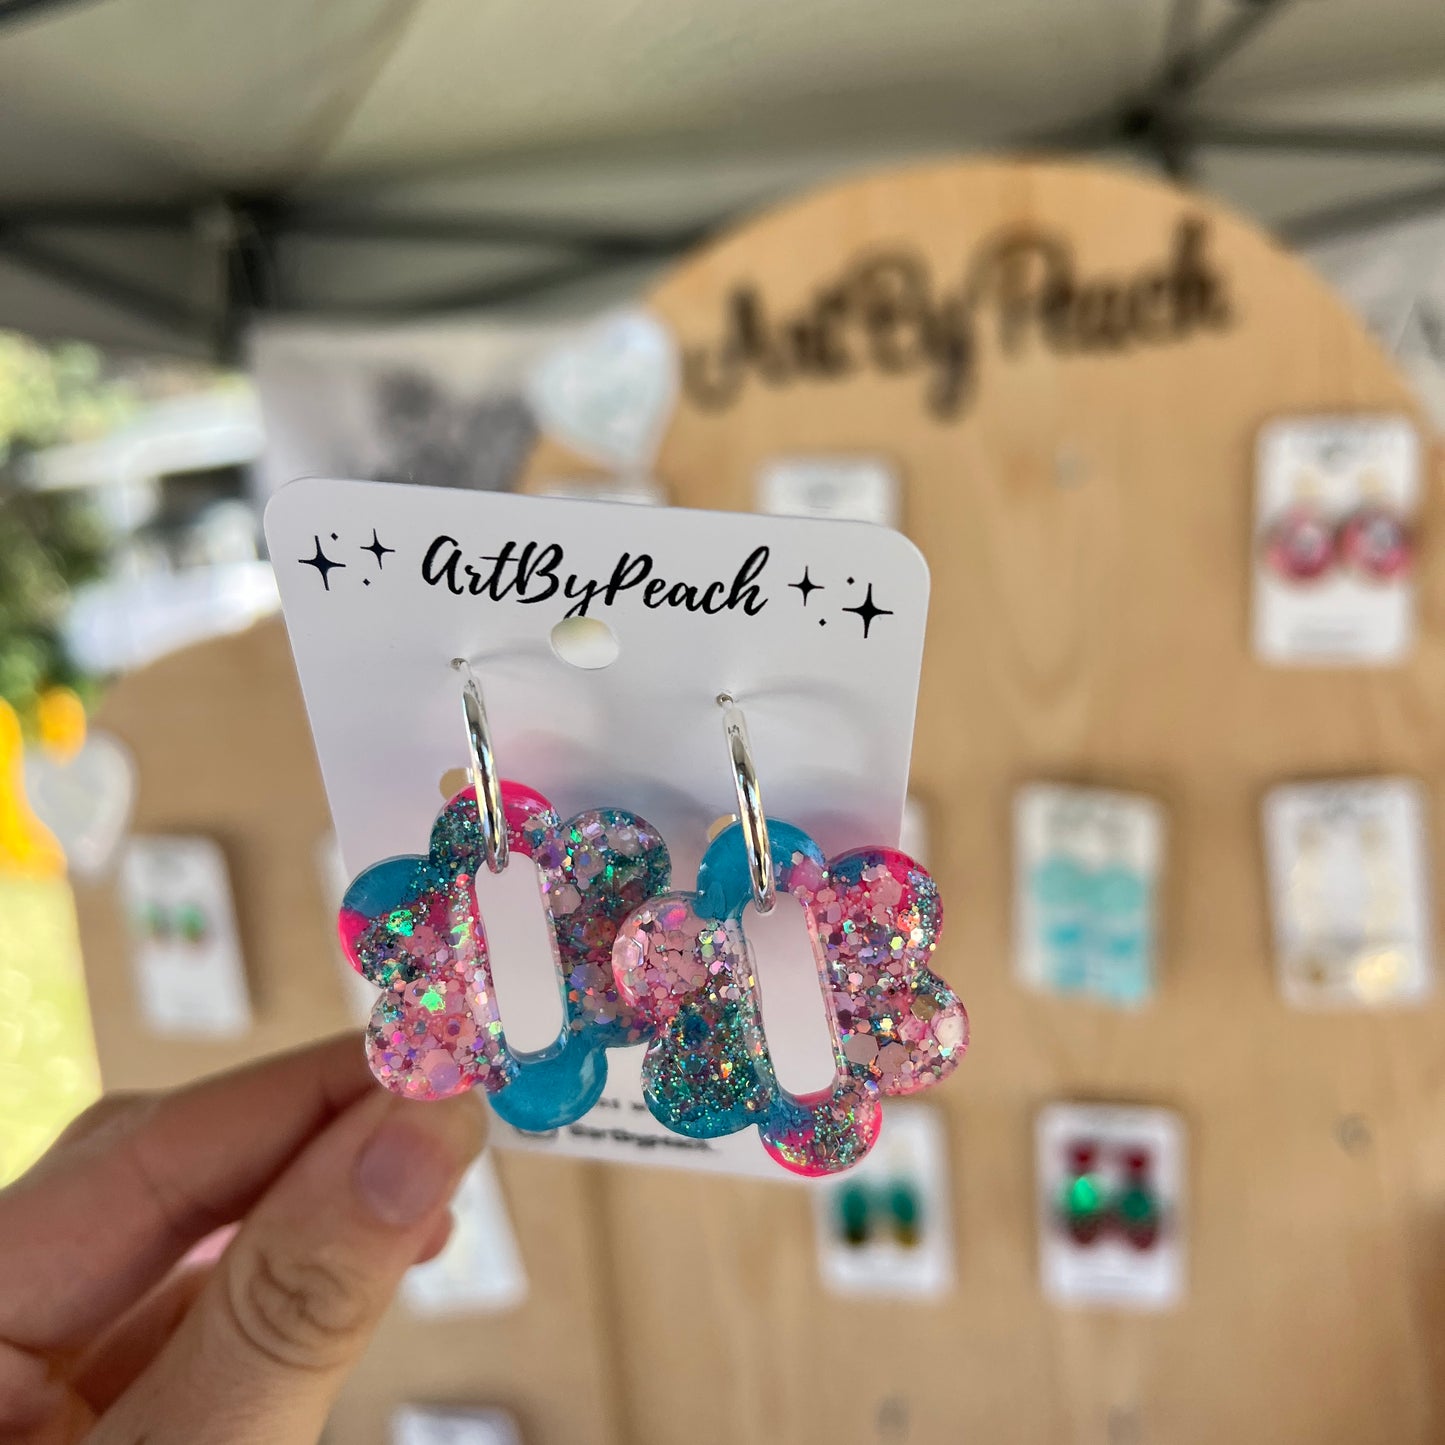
(586, 642)
(790, 996)
(526, 972)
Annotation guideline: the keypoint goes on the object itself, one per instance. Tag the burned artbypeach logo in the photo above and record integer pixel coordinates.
(885, 314)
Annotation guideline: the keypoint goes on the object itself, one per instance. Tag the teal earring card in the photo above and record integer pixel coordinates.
(1088, 866)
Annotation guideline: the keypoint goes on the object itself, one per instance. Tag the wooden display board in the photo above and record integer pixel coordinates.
(1076, 449)
(1067, 366)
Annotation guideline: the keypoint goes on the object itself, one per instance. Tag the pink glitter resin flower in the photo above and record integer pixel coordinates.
(682, 962)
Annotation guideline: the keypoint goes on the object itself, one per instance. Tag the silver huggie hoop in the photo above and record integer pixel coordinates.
(750, 804)
(485, 781)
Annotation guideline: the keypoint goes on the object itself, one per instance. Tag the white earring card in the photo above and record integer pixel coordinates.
(885, 1228)
(1111, 1216)
(1334, 499)
(635, 490)
(480, 1270)
(853, 488)
(1349, 887)
(453, 1425)
(1087, 866)
(815, 627)
(176, 894)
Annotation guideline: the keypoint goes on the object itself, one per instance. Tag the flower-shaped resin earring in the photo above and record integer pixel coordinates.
(413, 926)
(682, 961)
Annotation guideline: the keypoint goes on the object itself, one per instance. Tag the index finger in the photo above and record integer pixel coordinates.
(134, 1184)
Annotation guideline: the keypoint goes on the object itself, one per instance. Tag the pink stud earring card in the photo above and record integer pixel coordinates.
(1336, 500)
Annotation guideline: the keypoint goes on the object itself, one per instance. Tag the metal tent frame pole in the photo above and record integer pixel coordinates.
(1157, 121)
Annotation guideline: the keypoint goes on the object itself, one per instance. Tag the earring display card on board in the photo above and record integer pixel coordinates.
(848, 488)
(1335, 505)
(453, 1425)
(1111, 1182)
(886, 1227)
(1087, 871)
(1349, 892)
(190, 979)
(480, 1270)
(637, 490)
(797, 618)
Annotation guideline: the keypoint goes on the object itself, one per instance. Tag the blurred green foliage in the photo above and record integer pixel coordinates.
(50, 542)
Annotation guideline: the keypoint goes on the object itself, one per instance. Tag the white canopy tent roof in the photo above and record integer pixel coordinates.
(171, 167)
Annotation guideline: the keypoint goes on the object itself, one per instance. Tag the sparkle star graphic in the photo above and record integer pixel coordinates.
(376, 549)
(322, 563)
(867, 611)
(807, 586)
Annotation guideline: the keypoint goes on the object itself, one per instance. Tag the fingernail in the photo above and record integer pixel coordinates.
(411, 1164)
(212, 1247)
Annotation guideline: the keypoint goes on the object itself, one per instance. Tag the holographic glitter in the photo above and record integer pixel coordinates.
(1300, 545)
(682, 961)
(1376, 543)
(411, 925)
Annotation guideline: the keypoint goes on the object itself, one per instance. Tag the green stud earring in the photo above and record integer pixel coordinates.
(1136, 1209)
(191, 922)
(1083, 1204)
(855, 1211)
(906, 1209)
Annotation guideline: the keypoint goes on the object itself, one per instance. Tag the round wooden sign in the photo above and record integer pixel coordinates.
(1067, 367)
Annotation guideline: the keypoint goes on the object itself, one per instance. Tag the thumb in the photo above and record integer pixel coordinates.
(294, 1300)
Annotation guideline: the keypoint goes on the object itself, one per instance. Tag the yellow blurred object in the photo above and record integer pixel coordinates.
(48, 1069)
(60, 722)
(26, 847)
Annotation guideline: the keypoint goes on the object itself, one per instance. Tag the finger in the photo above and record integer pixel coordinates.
(136, 1181)
(36, 1392)
(441, 1234)
(30, 1394)
(110, 1366)
(296, 1297)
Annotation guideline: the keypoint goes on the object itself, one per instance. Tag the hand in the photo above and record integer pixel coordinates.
(106, 1326)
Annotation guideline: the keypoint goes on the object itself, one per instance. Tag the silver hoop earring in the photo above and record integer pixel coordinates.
(750, 804)
(486, 782)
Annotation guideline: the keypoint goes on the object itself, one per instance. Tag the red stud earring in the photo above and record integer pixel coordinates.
(1375, 542)
(1300, 545)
